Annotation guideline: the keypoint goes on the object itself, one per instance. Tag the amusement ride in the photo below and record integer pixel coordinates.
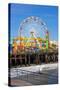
(32, 35)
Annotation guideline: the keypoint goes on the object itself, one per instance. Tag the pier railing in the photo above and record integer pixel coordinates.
(32, 77)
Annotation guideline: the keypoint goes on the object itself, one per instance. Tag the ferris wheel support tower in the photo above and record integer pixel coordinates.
(33, 36)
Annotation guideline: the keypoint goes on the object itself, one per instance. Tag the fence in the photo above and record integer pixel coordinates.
(36, 78)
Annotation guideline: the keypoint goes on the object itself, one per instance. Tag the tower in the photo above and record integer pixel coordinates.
(34, 40)
(47, 39)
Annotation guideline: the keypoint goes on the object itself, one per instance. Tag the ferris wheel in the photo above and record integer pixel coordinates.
(34, 24)
(32, 27)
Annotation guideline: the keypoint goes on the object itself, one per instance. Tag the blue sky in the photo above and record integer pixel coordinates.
(48, 14)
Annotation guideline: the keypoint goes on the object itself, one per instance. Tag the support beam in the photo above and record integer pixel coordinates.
(46, 58)
(25, 59)
(29, 59)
